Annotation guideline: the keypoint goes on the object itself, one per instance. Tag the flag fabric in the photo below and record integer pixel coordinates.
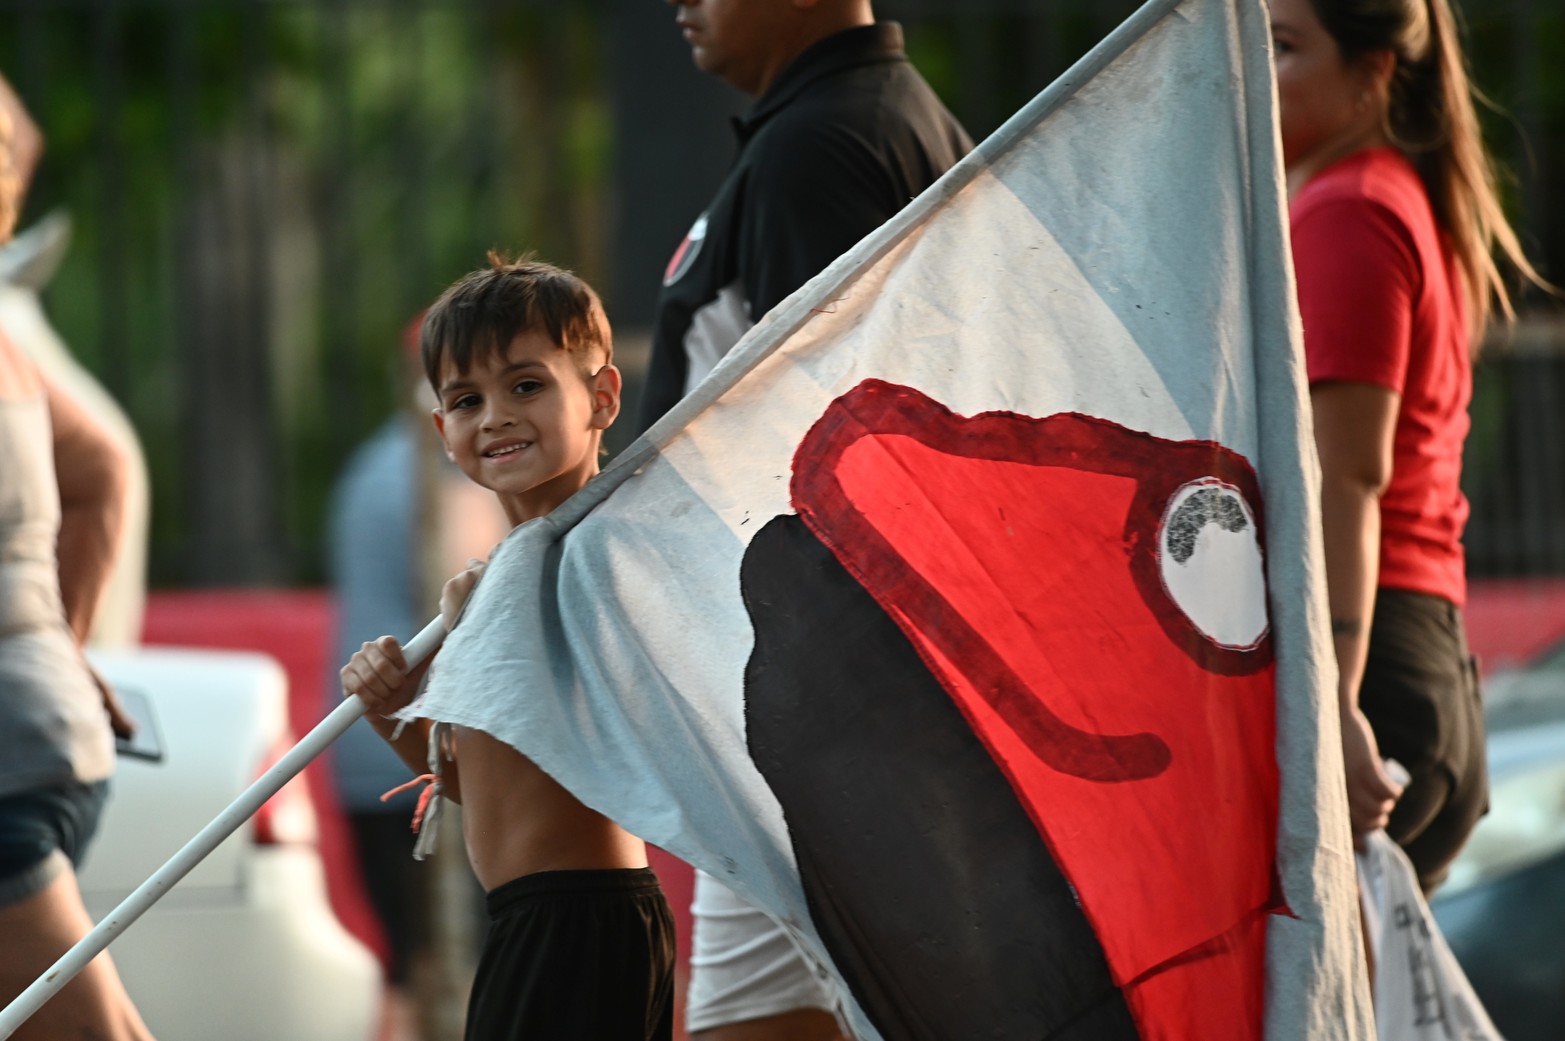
(969, 617)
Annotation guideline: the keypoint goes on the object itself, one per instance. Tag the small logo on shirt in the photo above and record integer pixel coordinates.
(686, 254)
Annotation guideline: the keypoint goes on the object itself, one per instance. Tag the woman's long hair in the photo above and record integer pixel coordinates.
(1431, 119)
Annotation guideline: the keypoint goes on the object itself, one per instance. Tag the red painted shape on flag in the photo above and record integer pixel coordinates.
(1020, 557)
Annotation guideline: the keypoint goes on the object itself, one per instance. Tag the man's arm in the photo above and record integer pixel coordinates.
(664, 383)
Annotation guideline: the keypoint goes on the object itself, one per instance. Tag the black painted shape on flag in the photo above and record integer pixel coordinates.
(926, 880)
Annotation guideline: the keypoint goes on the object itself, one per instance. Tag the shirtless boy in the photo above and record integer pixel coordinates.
(580, 942)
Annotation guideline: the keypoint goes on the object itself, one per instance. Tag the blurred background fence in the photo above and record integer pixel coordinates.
(265, 191)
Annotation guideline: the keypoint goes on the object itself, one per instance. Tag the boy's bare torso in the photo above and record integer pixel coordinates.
(517, 820)
(525, 422)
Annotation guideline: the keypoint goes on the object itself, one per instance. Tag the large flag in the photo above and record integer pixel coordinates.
(968, 618)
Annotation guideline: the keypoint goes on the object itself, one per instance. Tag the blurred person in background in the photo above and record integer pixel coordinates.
(1396, 228)
(62, 488)
(843, 134)
(396, 490)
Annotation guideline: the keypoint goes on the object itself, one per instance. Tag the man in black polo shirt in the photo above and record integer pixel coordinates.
(843, 134)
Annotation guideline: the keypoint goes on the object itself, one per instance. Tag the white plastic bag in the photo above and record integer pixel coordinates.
(1421, 993)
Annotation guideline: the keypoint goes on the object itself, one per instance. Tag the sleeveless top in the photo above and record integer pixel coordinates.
(52, 724)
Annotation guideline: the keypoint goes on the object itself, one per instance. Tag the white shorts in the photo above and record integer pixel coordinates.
(743, 965)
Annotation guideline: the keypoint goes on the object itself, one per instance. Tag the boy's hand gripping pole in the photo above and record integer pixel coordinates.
(223, 825)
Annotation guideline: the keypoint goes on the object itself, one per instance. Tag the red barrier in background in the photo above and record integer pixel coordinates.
(295, 627)
(1512, 621)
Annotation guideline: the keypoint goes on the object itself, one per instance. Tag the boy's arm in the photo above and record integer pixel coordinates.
(379, 675)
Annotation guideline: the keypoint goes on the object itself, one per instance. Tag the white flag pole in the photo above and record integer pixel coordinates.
(196, 850)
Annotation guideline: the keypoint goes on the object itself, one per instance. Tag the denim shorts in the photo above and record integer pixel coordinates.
(44, 830)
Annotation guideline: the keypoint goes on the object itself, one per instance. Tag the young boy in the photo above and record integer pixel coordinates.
(580, 942)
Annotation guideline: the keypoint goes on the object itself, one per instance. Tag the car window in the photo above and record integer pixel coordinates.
(1530, 696)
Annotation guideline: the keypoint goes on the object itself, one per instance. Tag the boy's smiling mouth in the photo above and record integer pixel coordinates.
(505, 448)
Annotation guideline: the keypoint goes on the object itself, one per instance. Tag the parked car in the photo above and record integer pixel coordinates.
(246, 946)
(1503, 909)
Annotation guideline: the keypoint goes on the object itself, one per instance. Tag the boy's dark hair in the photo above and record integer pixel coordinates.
(482, 312)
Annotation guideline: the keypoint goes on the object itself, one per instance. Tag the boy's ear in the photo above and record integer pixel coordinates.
(440, 428)
(605, 387)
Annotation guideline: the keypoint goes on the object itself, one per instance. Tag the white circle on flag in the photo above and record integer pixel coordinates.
(1209, 556)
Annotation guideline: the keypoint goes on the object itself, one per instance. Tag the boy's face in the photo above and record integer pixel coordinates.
(525, 423)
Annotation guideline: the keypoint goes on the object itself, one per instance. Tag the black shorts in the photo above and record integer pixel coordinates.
(1420, 694)
(571, 955)
(42, 831)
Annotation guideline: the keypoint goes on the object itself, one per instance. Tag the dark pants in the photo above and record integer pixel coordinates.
(392, 881)
(1420, 694)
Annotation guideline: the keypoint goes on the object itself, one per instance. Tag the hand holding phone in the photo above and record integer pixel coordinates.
(146, 741)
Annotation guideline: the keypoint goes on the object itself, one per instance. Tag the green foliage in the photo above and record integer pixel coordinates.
(264, 194)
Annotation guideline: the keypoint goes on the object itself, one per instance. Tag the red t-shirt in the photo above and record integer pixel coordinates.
(1381, 298)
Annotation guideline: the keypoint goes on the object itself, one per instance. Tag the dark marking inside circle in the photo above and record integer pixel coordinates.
(1208, 506)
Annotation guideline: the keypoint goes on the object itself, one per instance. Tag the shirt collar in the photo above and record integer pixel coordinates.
(863, 45)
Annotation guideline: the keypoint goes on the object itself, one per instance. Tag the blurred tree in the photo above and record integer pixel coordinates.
(265, 190)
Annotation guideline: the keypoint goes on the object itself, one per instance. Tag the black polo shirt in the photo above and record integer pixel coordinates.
(847, 135)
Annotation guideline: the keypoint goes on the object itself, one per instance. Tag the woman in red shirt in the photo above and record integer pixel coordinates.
(1396, 225)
